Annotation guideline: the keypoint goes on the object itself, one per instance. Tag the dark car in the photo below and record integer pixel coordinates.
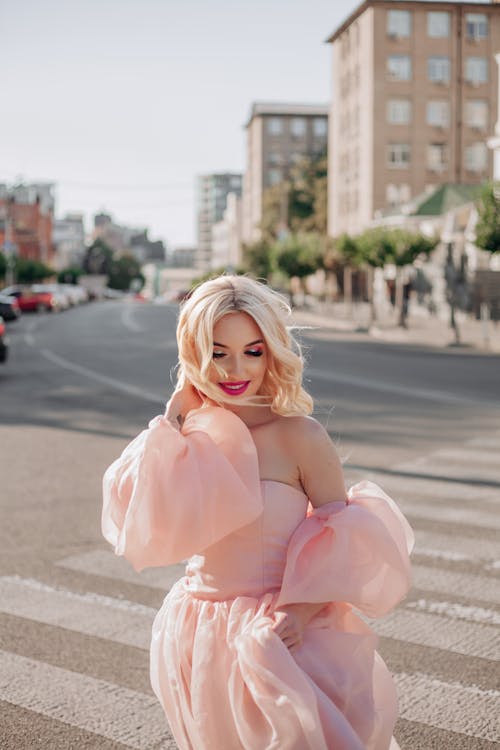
(4, 349)
(9, 307)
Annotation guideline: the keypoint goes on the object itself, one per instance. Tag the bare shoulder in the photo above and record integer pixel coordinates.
(319, 465)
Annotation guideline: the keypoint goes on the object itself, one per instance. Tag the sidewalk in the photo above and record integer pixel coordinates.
(423, 329)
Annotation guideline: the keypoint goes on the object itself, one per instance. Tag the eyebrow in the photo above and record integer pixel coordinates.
(257, 341)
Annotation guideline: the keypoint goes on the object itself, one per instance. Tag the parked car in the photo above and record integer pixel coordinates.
(60, 299)
(4, 349)
(30, 301)
(9, 307)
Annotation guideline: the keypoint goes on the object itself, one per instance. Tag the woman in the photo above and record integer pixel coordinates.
(257, 647)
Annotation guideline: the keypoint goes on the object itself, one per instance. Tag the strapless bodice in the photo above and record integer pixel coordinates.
(250, 561)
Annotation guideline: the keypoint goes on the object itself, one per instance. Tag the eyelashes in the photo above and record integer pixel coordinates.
(250, 352)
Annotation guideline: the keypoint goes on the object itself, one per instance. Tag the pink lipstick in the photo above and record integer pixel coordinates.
(236, 388)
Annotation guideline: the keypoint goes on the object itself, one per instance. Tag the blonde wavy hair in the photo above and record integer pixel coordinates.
(282, 385)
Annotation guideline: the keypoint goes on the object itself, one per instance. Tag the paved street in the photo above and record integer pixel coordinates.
(75, 620)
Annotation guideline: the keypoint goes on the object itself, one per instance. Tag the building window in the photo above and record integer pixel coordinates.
(399, 111)
(438, 114)
(476, 70)
(436, 157)
(298, 127)
(398, 23)
(438, 24)
(399, 67)
(274, 176)
(438, 69)
(275, 159)
(476, 157)
(275, 126)
(476, 113)
(476, 25)
(398, 155)
(320, 127)
(396, 195)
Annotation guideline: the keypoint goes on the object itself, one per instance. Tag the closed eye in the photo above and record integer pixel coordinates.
(218, 355)
(255, 352)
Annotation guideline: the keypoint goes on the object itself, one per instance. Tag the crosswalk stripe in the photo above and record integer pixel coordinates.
(469, 547)
(458, 515)
(456, 611)
(439, 631)
(440, 491)
(119, 714)
(129, 623)
(428, 578)
(101, 616)
(451, 706)
(103, 562)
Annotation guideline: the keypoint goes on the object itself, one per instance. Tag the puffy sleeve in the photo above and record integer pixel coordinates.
(355, 552)
(172, 494)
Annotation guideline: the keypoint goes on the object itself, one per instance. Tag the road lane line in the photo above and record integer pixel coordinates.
(117, 620)
(441, 581)
(439, 631)
(456, 611)
(105, 563)
(439, 512)
(117, 385)
(370, 384)
(119, 714)
(127, 319)
(449, 705)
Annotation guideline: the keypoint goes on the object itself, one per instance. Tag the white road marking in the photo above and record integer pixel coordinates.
(118, 620)
(117, 385)
(449, 705)
(105, 563)
(458, 515)
(441, 581)
(425, 394)
(128, 321)
(438, 631)
(119, 714)
(472, 548)
(456, 611)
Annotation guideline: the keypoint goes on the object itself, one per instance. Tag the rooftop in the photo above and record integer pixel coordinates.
(286, 108)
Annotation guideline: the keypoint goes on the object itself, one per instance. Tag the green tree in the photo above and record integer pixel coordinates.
(488, 223)
(28, 271)
(299, 203)
(299, 255)
(348, 251)
(407, 247)
(259, 259)
(308, 195)
(69, 275)
(123, 271)
(98, 258)
(376, 247)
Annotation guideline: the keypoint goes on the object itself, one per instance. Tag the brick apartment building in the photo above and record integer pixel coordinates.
(415, 97)
(26, 221)
(277, 136)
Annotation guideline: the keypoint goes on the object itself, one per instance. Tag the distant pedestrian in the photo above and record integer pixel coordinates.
(258, 646)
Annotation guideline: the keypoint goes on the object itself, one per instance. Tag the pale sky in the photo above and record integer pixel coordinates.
(123, 102)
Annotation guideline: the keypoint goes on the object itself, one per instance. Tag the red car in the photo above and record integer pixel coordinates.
(30, 301)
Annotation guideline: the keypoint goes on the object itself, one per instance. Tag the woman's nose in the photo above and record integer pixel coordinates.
(235, 367)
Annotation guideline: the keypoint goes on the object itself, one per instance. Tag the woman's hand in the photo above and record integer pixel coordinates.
(182, 401)
(291, 620)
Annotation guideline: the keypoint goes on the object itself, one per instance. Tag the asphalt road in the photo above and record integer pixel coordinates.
(74, 620)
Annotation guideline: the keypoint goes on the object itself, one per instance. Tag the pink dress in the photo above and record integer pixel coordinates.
(225, 680)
